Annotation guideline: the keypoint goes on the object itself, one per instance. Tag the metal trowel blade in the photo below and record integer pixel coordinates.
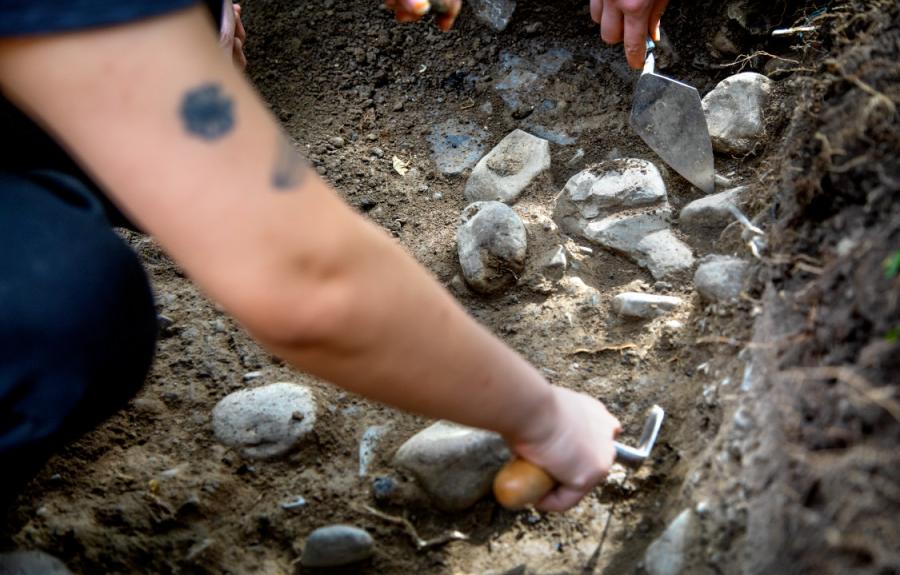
(668, 116)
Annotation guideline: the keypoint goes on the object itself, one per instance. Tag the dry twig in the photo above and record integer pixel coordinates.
(420, 543)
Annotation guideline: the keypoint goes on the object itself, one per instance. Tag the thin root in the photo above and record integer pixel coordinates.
(420, 543)
(879, 396)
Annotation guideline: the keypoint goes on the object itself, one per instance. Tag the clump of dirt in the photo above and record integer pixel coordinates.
(151, 491)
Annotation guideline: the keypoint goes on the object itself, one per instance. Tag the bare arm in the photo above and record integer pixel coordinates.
(185, 147)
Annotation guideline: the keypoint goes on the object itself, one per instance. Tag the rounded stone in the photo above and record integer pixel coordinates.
(491, 243)
(337, 545)
(266, 421)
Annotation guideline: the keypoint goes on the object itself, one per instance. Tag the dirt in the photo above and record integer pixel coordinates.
(809, 485)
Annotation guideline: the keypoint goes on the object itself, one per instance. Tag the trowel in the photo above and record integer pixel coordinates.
(668, 116)
(520, 483)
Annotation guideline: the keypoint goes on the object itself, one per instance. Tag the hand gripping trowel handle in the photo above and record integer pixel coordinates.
(520, 483)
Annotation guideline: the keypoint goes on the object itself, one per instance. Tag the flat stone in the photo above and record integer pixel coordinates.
(31, 563)
(735, 112)
(607, 188)
(456, 146)
(712, 211)
(266, 421)
(336, 545)
(663, 254)
(494, 13)
(720, 278)
(492, 244)
(667, 554)
(507, 170)
(623, 232)
(454, 464)
(644, 305)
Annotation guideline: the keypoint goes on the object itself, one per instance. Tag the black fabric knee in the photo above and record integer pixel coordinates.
(77, 320)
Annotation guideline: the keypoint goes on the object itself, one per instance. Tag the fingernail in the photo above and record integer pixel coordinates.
(656, 34)
(419, 7)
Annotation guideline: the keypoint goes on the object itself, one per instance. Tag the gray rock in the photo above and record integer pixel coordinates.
(666, 555)
(494, 13)
(644, 305)
(456, 146)
(453, 463)
(507, 170)
(265, 421)
(623, 232)
(712, 211)
(607, 188)
(491, 242)
(646, 239)
(735, 112)
(336, 545)
(554, 263)
(720, 278)
(31, 563)
(663, 254)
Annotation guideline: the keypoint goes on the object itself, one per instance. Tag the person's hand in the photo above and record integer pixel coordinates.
(631, 21)
(232, 35)
(573, 443)
(445, 11)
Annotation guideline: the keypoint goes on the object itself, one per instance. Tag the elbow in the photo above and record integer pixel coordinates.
(303, 316)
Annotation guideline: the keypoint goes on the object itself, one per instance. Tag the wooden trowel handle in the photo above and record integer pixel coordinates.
(520, 483)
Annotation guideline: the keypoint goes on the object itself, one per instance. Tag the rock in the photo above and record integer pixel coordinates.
(337, 141)
(370, 438)
(666, 555)
(265, 421)
(720, 278)
(646, 239)
(712, 211)
(644, 305)
(454, 464)
(663, 254)
(456, 146)
(553, 264)
(491, 242)
(494, 13)
(607, 188)
(336, 545)
(31, 563)
(735, 112)
(507, 170)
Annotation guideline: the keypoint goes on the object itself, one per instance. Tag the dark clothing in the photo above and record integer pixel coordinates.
(24, 17)
(77, 320)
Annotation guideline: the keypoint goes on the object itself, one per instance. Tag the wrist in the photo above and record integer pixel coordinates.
(536, 418)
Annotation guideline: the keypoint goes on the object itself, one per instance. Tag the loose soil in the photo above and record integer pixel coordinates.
(810, 484)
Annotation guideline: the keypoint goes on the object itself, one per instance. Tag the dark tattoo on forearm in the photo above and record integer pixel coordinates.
(207, 112)
(290, 168)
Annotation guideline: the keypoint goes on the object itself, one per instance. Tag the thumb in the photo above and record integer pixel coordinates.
(561, 499)
(416, 7)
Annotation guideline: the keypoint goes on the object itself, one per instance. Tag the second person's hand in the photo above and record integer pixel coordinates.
(631, 22)
(445, 11)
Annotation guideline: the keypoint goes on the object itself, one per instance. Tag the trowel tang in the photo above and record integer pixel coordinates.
(521, 483)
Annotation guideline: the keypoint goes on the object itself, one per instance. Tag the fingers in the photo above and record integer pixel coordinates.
(237, 54)
(597, 11)
(612, 23)
(449, 11)
(659, 7)
(635, 40)
(240, 33)
(561, 499)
